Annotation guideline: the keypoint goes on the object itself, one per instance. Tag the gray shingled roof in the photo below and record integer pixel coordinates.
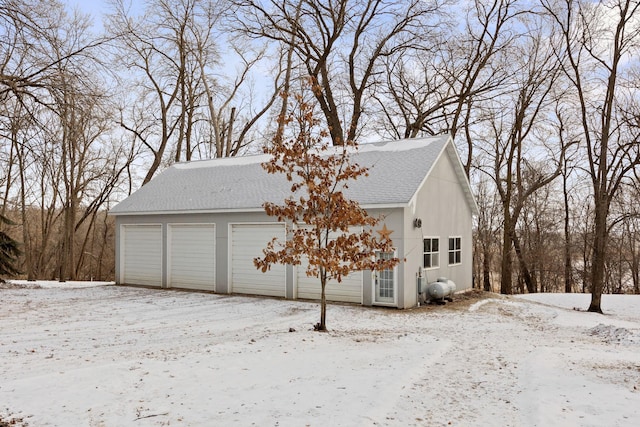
(396, 171)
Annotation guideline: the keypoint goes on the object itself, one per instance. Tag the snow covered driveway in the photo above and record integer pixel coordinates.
(120, 356)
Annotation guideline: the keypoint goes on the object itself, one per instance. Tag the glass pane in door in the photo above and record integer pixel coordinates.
(384, 281)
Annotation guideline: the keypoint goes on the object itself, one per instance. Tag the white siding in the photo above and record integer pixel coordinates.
(141, 252)
(446, 212)
(192, 256)
(349, 290)
(247, 243)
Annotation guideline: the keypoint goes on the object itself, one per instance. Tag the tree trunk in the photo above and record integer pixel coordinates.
(568, 277)
(486, 270)
(229, 138)
(103, 245)
(26, 239)
(322, 326)
(67, 250)
(287, 81)
(598, 261)
(568, 285)
(635, 271)
(506, 268)
(524, 270)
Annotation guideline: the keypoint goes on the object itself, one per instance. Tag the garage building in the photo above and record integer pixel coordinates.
(199, 225)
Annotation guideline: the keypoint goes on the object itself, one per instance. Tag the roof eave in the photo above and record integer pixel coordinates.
(239, 210)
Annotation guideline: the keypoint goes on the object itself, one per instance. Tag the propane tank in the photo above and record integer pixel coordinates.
(441, 290)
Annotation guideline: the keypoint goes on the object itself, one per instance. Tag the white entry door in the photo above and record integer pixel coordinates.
(384, 282)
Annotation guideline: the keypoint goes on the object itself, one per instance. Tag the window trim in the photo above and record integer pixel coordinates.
(432, 238)
(455, 250)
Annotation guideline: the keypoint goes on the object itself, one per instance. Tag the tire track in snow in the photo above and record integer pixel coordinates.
(476, 381)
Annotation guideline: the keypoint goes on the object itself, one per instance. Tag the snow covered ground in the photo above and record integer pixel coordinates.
(90, 355)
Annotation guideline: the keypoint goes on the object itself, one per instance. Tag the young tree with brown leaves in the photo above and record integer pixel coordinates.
(322, 219)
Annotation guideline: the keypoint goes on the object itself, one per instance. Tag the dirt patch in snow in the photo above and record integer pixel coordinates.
(612, 334)
(11, 421)
(10, 285)
(461, 302)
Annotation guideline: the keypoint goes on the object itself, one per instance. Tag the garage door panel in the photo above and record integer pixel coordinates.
(142, 255)
(192, 256)
(349, 290)
(247, 243)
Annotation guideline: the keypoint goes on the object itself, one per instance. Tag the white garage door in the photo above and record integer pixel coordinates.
(141, 254)
(349, 290)
(192, 256)
(247, 243)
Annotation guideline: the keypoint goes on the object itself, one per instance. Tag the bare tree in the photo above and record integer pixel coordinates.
(30, 31)
(567, 131)
(341, 46)
(53, 116)
(600, 39)
(233, 110)
(186, 99)
(517, 133)
(90, 170)
(487, 235)
(229, 128)
(632, 230)
(438, 86)
(155, 48)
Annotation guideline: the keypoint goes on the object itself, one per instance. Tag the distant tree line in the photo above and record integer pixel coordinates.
(542, 99)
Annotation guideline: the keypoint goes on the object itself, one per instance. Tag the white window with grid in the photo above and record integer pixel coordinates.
(431, 252)
(455, 250)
